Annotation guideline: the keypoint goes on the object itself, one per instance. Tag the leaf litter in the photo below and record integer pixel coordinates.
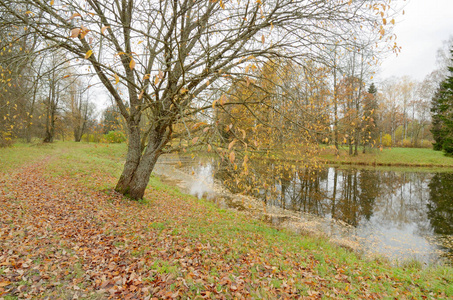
(63, 238)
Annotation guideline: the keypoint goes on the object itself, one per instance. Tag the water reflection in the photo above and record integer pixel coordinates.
(400, 214)
(440, 206)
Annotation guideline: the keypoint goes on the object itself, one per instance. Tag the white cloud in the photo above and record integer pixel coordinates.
(420, 31)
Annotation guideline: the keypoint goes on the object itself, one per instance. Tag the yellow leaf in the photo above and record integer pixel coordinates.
(221, 4)
(66, 76)
(141, 94)
(52, 2)
(214, 102)
(117, 78)
(392, 21)
(243, 133)
(384, 21)
(209, 148)
(263, 39)
(88, 54)
(139, 42)
(132, 64)
(103, 29)
(156, 80)
(28, 12)
(146, 76)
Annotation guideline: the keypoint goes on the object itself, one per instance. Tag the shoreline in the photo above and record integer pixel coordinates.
(335, 231)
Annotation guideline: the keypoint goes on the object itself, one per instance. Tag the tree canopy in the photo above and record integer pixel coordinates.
(167, 62)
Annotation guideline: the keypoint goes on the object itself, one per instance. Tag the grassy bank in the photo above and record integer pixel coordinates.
(398, 157)
(65, 233)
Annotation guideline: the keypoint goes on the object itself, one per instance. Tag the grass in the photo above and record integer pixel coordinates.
(398, 157)
(187, 247)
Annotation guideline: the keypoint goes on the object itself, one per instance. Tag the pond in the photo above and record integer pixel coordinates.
(398, 214)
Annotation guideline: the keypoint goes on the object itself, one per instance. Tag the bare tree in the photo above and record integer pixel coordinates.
(79, 109)
(169, 58)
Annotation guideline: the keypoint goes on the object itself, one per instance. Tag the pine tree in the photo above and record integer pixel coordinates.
(442, 114)
(369, 125)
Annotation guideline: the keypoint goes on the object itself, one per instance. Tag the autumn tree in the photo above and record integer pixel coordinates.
(16, 63)
(169, 58)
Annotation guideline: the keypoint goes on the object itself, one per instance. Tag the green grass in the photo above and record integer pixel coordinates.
(187, 236)
(20, 154)
(410, 157)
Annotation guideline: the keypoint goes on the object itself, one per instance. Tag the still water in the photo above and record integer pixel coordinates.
(397, 214)
(401, 215)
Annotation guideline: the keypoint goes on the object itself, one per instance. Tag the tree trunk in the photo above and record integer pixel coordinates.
(138, 166)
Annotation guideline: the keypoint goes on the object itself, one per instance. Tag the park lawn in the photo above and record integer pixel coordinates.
(66, 234)
(415, 157)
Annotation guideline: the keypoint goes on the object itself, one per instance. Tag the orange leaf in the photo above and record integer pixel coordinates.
(74, 15)
(232, 156)
(5, 283)
(75, 32)
(103, 29)
(222, 99)
(231, 144)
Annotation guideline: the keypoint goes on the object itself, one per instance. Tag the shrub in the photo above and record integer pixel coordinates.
(94, 138)
(114, 137)
(426, 144)
(406, 143)
(5, 139)
(387, 140)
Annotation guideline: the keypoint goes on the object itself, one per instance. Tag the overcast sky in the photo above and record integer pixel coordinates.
(420, 32)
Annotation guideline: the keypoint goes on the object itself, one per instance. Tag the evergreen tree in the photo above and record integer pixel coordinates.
(442, 115)
(369, 125)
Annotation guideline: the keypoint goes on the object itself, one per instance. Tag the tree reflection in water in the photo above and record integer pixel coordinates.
(409, 206)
